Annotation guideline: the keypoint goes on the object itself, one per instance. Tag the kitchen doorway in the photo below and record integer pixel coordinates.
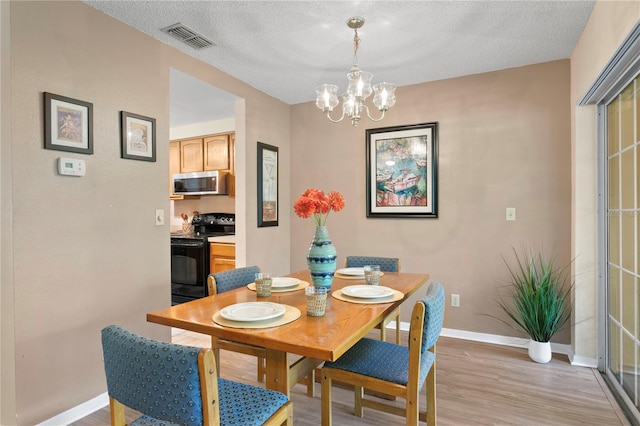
(198, 108)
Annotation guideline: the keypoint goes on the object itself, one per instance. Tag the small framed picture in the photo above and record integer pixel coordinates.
(138, 136)
(68, 124)
(402, 171)
(267, 185)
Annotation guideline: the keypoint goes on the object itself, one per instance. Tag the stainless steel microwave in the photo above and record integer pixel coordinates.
(200, 183)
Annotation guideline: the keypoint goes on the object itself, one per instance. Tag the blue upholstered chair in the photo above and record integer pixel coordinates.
(387, 264)
(230, 280)
(177, 385)
(393, 369)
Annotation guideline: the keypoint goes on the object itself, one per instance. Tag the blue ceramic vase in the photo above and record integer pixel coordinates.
(321, 258)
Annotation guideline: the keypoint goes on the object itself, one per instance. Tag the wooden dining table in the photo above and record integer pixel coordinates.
(315, 339)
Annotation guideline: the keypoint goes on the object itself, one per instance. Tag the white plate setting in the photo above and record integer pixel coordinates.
(367, 291)
(252, 311)
(284, 282)
(358, 272)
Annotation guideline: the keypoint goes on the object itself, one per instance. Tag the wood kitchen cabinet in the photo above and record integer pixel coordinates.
(222, 256)
(204, 154)
(174, 167)
(231, 185)
(216, 152)
(231, 177)
(191, 155)
(213, 152)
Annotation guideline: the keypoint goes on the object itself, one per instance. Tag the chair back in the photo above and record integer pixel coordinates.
(426, 324)
(158, 379)
(434, 315)
(231, 279)
(387, 264)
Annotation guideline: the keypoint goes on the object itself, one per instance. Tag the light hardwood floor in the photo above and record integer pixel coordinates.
(477, 384)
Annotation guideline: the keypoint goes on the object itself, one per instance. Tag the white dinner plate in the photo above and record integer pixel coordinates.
(352, 271)
(367, 291)
(284, 282)
(252, 311)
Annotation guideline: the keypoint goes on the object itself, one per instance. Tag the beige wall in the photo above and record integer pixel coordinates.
(7, 353)
(504, 142)
(86, 251)
(609, 24)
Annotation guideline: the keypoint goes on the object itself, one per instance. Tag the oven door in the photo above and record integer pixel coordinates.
(189, 269)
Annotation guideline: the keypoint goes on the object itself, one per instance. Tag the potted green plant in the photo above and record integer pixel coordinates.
(538, 300)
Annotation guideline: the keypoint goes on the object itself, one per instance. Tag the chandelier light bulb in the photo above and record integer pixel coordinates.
(327, 97)
(384, 97)
(358, 89)
(348, 102)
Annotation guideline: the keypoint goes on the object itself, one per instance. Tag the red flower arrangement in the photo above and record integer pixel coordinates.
(315, 202)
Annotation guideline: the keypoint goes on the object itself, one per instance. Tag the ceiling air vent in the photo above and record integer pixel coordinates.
(187, 36)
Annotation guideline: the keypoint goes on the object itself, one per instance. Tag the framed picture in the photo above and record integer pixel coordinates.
(138, 136)
(402, 171)
(267, 185)
(68, 124)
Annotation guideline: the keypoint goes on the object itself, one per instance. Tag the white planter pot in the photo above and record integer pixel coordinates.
(540, 351)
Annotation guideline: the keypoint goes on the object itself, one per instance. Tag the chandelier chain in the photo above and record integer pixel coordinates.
(356, 45)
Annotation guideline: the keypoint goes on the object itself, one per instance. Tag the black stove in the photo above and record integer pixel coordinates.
(190, 255)
(197, 235)
(207, 225)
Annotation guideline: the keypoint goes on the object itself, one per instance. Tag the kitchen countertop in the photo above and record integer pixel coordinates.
(225, 239)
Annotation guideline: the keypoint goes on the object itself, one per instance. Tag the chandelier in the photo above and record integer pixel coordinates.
(359, 89)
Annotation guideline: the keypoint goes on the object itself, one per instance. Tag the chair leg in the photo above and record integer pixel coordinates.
(398, 328)
(358, 392)
(289, 421)
(262, 369)
(412, 408)
(311, 382)
(216, 353)
(431, 396)
(116, 411)
(325, 381)
(383, 331)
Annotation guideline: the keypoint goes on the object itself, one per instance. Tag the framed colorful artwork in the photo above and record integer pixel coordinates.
(402, 171)
(267, 185)
(68, 124)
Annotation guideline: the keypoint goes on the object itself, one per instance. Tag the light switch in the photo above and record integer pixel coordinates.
(511, 214)
(159, 217)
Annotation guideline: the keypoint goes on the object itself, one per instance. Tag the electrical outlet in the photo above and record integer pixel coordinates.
(511, 214)
(159, 217)
(455, 300)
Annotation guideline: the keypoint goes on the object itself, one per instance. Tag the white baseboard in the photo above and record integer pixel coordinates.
(78, 412)
(583, 361)
(95, 404)
(518, 342)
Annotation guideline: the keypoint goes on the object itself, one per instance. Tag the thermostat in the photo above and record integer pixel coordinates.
(71, 166)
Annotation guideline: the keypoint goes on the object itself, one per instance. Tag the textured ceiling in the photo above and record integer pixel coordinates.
(286, 48)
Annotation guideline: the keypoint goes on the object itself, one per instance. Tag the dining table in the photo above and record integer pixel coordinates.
(314, 339)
